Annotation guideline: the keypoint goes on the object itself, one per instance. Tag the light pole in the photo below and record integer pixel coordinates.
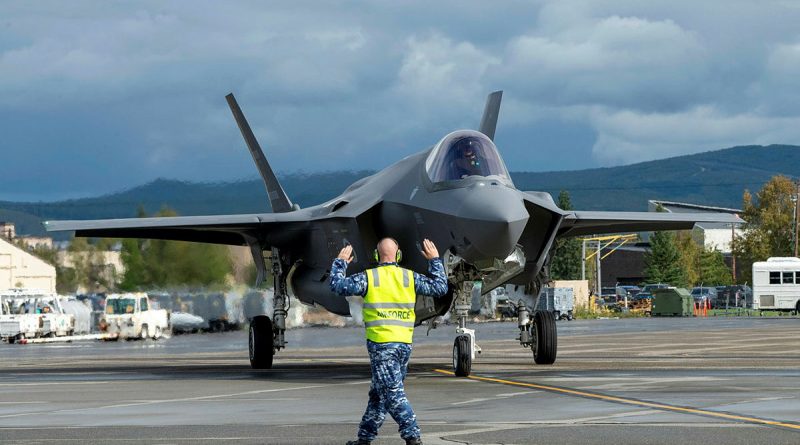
(796, 211)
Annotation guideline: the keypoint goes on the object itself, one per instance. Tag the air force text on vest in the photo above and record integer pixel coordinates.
(399, 314)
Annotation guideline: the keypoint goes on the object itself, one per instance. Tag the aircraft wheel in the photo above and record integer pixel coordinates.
(262, 348)
(145, 332)
(462, 356)
(157, 333)
(544, 338)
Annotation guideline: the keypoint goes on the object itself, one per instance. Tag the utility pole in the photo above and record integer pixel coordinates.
(733, 252)
(796, 211)
(583, 259)
(599, 288)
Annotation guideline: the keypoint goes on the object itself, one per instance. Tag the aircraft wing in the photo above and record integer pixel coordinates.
(218, 229)
(594, 223)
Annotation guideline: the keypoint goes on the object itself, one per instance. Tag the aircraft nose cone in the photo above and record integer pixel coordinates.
(492, 221)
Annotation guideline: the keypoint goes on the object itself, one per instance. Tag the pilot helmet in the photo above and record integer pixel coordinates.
(468, 149)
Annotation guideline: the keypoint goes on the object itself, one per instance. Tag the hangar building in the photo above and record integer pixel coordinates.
(18, 268)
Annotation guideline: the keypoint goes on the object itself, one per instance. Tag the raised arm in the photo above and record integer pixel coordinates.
(436, 285)
(342, 284)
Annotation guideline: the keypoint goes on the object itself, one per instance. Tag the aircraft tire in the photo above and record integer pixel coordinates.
(545, 338)
(145, 332)
(261, 344)
(157, 333)
(462, 356)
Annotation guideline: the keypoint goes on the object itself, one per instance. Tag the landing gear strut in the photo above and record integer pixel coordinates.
(538, 334)
(267, 336)
(464, 347)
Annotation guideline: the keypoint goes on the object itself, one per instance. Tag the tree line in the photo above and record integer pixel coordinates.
(147, 264)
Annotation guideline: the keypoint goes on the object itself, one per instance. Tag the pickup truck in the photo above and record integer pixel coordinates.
(15, 323)
(133, 316)
(29, 314)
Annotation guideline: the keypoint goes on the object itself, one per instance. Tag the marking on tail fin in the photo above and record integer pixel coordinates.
(277, 197)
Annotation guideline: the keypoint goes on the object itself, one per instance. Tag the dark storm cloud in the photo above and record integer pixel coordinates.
(99, 96)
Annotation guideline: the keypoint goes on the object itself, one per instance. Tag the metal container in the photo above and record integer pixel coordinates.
(672, 302)
(559, 300)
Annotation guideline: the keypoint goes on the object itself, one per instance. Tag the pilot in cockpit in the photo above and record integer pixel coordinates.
(466, 159)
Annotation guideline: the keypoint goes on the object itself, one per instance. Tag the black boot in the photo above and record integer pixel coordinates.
(360, 442)
(414, 441)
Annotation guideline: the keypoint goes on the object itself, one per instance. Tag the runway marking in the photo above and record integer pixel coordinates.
(179, 400)
(52, 383)
(634, 402)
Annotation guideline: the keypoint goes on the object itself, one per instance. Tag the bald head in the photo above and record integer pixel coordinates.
(387, 250)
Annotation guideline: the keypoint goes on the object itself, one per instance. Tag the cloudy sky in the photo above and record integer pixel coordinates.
(100, 96)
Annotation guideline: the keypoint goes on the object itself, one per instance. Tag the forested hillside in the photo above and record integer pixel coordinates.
(714, 178)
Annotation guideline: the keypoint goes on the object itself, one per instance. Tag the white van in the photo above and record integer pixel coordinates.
(776, 284)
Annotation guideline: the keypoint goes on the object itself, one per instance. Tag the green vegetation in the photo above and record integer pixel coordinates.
(566, 263)
(770, 225)
(701, 265)
(163, 264)
(583, 312)
(663, 262)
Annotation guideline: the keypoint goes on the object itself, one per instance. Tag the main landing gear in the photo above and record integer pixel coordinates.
(267, 336)
(538, 334)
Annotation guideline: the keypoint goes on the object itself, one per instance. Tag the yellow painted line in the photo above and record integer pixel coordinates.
(660, 406)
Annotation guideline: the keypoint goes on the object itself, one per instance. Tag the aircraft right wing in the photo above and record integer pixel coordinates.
(594, 223)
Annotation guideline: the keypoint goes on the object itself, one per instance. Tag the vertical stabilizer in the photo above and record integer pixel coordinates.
(490, 113)
(277, 197)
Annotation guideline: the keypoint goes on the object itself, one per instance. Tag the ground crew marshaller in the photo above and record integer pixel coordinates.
(390, 293)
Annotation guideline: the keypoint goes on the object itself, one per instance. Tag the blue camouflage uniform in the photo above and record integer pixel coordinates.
(388, 361)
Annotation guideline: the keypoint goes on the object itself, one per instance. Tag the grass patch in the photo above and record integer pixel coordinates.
(740, 312)
(584, 312)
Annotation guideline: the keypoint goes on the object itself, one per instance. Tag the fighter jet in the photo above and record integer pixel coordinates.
(457, 193)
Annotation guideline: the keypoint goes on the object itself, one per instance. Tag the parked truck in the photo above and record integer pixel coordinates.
(30, 313)
(133, 316)
(15, 322)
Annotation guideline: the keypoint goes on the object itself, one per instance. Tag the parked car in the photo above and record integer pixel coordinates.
(632, 291)
(699, 294)
(609, 294)
(738, 295)
(647, 291)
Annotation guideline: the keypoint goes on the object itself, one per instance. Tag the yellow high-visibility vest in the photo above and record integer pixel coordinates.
(389, 304)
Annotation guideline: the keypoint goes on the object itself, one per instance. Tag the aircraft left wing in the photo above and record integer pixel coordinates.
(218, 229)
(591, 223)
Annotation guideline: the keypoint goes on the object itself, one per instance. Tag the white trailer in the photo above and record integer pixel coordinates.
(132, 316)
(776, 284)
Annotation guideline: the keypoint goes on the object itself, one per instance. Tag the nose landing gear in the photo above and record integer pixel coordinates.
(464, 346)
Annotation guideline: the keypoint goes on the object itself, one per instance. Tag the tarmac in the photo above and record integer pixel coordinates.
(638, 381)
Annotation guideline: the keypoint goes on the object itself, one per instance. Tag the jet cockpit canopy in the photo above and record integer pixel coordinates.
(462, 154)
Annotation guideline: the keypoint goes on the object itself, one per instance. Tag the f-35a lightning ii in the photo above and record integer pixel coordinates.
(457, 193)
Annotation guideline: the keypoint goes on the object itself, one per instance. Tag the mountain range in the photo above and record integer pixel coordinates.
(716, 178)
